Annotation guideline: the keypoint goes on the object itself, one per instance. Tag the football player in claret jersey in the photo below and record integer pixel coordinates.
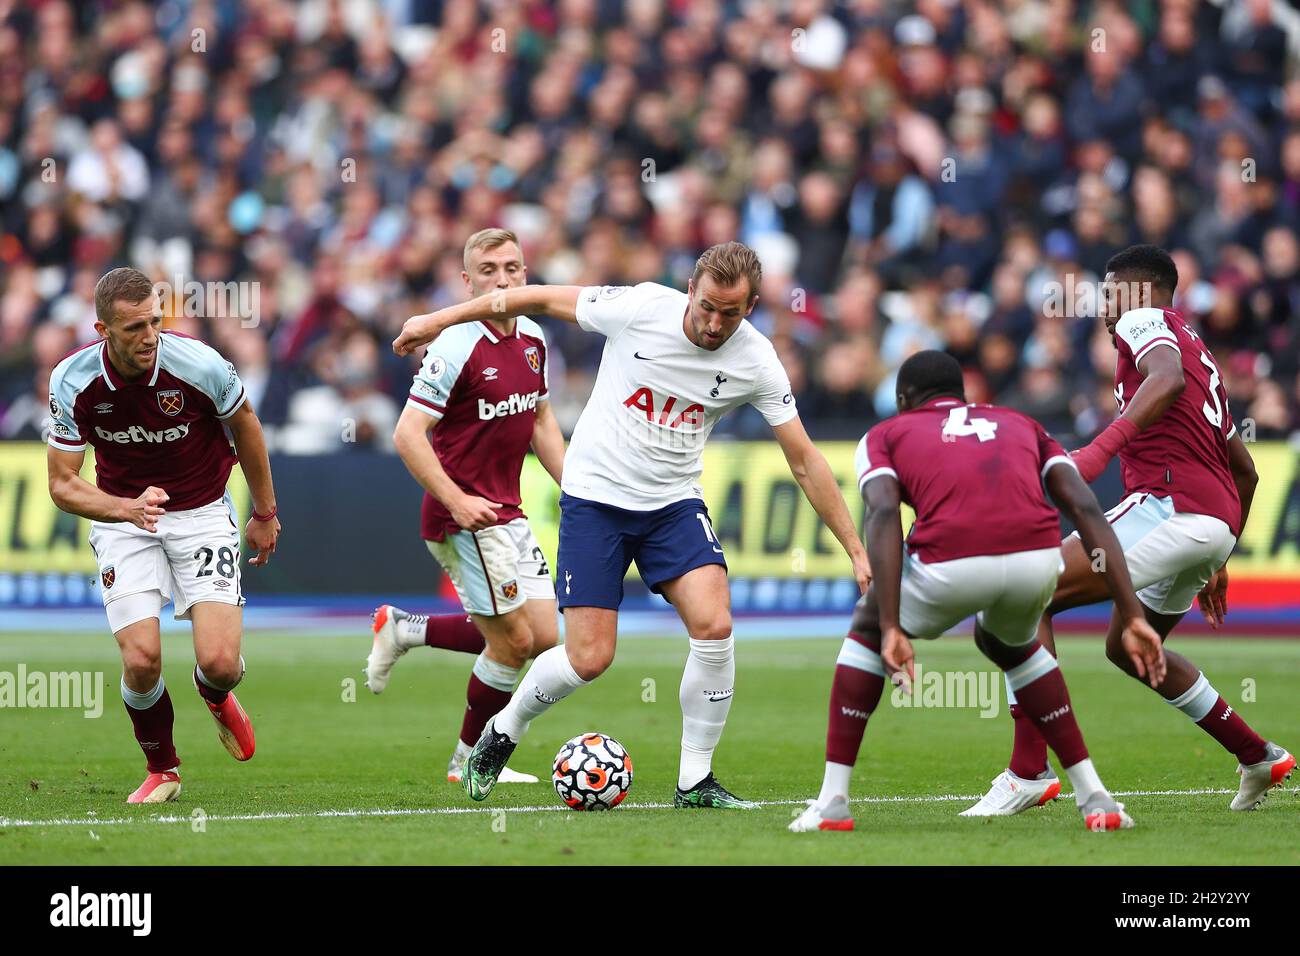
(673, 364)
(478, 403)
(155, 406)
(985, 542)
(1188, 484)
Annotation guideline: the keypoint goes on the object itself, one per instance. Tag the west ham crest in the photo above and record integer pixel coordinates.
(510, 589)
(171, 401)
(107, 577)
(534, 358)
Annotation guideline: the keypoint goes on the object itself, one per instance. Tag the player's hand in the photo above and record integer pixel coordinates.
(862, 571)
(144, 512)
(474, 513)
(416, 331)
(1143, 646)
(1213, 598)
(896, 651)
(262, 535)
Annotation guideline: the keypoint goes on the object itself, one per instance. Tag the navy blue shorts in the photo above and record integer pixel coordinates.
(599, 542)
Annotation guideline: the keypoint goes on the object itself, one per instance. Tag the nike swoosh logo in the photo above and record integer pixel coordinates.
(641, 357)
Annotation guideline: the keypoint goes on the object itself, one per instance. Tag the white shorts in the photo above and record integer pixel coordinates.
(497, 569)
(1007, 592)
(192, 557)
(1170, 555)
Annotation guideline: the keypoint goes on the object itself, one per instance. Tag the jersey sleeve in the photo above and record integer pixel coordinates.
(609, 309)
(773, 396)
(431, 388)
(1050, 452)
(206, 369)
(1144, 329)
(871, 460)
(65, 435)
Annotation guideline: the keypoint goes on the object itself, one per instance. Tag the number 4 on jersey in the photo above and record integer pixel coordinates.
(957, 426)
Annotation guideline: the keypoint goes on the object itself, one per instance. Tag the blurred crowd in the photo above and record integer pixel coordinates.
(929, 174)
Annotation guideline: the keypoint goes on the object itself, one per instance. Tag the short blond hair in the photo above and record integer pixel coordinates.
(487, 239)
(728, 263)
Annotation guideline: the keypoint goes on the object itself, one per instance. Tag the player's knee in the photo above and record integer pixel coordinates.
(142, 666)
(590, 662)
(717, 629)
(222, 667)
(1115, 654)
(518, 646)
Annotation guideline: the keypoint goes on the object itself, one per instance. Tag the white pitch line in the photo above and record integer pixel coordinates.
(451, 811)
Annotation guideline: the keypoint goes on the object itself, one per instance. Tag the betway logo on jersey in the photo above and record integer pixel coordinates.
(516, 404)
(136, 434)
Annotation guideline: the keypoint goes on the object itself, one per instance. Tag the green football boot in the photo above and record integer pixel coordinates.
(485, 762)
(709, 793)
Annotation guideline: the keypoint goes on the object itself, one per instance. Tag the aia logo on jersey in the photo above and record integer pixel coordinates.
(171, 401)
(107, 577)
(534, 358)
(643, 400)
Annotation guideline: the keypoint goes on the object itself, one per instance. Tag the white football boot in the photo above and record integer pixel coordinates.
(386, 649)
(1257, 779)
(456, 768)
(1010, 794)
(834, 815)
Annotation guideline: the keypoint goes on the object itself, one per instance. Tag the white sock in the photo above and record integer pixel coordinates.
(1084, 779)
(550, 680)
(1198, 700)
(708, 682)
(142, 701)
(835, 783)
(409, 632)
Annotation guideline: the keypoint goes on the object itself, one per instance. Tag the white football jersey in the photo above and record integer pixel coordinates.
(639, 442)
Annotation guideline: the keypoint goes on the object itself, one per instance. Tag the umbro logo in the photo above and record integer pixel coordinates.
(490, 374)
(104, 408)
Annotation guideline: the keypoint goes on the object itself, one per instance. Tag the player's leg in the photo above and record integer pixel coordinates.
(202, 548)
(134, 586)
(1005, 633)
(594, 555)
(855, 693)
(1138, 521)
(145, 694)
(703, 602)
(1030, 781)
(218, 669)
(1261, 764)
(680, 557)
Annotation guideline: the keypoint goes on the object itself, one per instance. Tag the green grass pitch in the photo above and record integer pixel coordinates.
(361, 781)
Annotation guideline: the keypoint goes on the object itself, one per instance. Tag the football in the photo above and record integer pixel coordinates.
(592, 772)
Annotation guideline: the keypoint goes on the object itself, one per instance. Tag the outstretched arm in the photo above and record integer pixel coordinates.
(811, 470)
(1162, 383)
(557, 301)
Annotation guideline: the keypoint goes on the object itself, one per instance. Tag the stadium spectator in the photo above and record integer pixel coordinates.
(914, 175)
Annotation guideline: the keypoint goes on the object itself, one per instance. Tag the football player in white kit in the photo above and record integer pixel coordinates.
(673, 364)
